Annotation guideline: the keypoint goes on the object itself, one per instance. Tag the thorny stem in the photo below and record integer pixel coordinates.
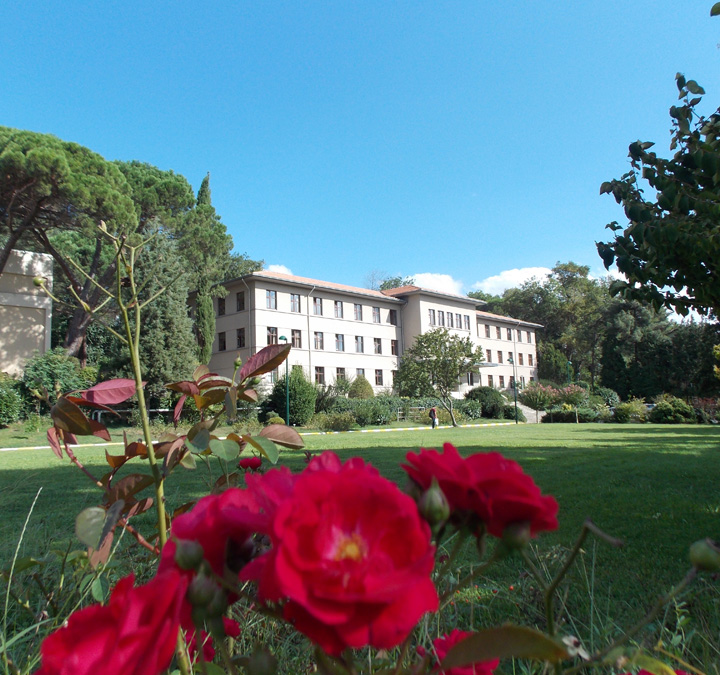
(496, 555)
(222, 648)
(79, 465)
(138, 537)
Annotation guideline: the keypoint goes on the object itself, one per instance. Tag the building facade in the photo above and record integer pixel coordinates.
(25, 310)
(340, 332)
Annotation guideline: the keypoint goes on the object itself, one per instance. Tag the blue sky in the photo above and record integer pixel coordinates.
(453, 141)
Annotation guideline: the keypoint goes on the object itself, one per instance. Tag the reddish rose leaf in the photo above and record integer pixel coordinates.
(283, 435)
(52, 436)
(184, 387)
(70, 439)
(210, 397)
(100, 430)
(115, 461)
(128, 486)
(215, 381)
(224, 482)
(249, 395)
(166, 447)
(79, 400)
(183, 509)
(140, 507)
(136, 450)
(267, 359)
(178, 408)
(111, 392)
(200, 372)
(101, 555)
(68, 417)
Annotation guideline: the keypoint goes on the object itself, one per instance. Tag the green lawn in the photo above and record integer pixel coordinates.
(655, 487)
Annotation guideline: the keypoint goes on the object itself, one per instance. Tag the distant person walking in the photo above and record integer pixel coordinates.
(433, 418)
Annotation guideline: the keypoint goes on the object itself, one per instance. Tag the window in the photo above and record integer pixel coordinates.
(520, 360)
(510, 357)
(394, 347)
(338, 309)
(512, 382)
(294, 302)
(441, 318)
(532, 379)
(317, 306)
(319, 375)
(319, 341)
(392, 317)
(221, 342)
(490, 381)
(296, 338)
(450, 320)
(394, 374)
(471, 379)
(357, 309)
(501, 384)
(487, 331)
(240, 301)
(378, 378)
(221, 306)
(458, 321)
(488, 355)
(500, 357)
(272, 335)
(359, 344)
(529, 337)
(498, 333)
(339, 342)
(530, 359)
(274, 376)
(467, 321)
(522, 382)
(432, 317)
(376, 315)
(271, 299)
(360, 372)
(340, 374)
(240, 338)
(519, 336)
(509, 333)
(378, 345)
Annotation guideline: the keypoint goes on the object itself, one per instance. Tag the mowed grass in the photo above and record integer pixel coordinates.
(655, 487)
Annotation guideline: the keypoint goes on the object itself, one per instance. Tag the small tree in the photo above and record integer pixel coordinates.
(302, 398)
(437, 361)
(360, 388)
(537, 396)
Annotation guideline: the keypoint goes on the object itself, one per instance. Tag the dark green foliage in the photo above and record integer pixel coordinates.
(609, 396)
(56, 372)
(361, 388)
(205, 326)
(203, 196)
(564, 414)
(396, 282)
(509, 413)
(302, 398)
(491, 400)
(671, 410)
(668, 252)
(470, 409)
(275, 419)
(10, 402)
(633, 410)
(338, 421)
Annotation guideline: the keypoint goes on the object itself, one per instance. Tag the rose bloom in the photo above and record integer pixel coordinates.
(442, 647)
(351, 556)
(488, 485)
(136, 632)
(250, 463)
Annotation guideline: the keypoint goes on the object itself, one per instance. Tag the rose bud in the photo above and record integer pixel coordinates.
(237, 363)
(38, 281)
(705, 555)
(188, 554)
(201, 591)
(433, 506)
(517, 535)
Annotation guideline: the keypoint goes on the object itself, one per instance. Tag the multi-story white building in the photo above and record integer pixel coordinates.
(339, 332)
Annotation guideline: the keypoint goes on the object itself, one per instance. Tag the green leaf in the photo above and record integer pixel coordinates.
(89, 525)
(652, 665)
(266, 447)
(199, 443)
(504, 642)
(715, 10)
(23, 564)
(209, 669)
(227, 449)
(188, 461)
(695, 88)
(100, 589)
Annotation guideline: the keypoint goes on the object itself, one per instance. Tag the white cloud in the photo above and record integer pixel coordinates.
(281, 269)
(443, 283)
(499, 283)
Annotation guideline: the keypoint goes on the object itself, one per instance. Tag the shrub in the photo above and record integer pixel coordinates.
(671, 410)
(334, 421)
(470, 409)
(610, 396)
(633, 410)
(361, 388)
(275, 420)
(10, 402)
(302, 398)
(57, 372)
(509, 413)
(366, 413)
(570, 414)
(491, 400)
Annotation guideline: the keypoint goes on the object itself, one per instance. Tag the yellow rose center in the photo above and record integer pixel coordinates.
(352, 547)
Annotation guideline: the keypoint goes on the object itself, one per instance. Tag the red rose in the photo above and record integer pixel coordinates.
(250, 463)
(352, 557)
(136, 632)
(442, 647)
(487, 485)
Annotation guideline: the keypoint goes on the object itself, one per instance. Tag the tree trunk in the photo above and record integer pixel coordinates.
(76, 336)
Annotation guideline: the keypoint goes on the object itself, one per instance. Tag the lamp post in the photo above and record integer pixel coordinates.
(511, 361)
(569, 372)
(287, 388)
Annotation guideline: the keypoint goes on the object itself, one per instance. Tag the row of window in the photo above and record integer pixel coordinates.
(520, 358)
(509, 333)
(443, 318)
(319, 341)
(341, 374)
(239, 303)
